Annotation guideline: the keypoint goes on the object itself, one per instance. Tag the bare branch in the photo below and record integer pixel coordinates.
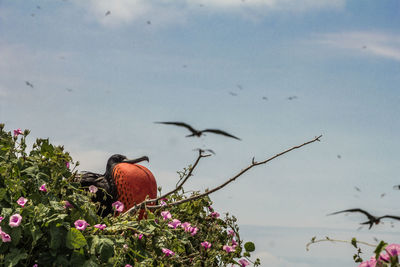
(327, 239)
(253, 164)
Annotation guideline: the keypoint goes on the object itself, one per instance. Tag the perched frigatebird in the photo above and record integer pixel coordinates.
(196, 132)
(112, 188)
(371, 219)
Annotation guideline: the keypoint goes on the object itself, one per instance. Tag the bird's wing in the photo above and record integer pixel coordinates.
(370, 217)
(216, 131)
(391, 217)
(182, 124)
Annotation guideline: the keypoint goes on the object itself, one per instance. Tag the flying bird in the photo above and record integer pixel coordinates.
(28, 84)
(396, 187)
(114, 184)
(292, 97)
(265, 98)
(358, 189)
(107, 13)
(371, 219)
(196, 132)
(149, 22)
(232, 94)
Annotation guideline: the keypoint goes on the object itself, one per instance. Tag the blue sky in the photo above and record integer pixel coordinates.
(101, 81)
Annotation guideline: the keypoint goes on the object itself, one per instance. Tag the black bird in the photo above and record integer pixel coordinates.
(292, 97)
(29, 84)
(108, 194)
(232, 94)
(107, 13)
(265, 98)
(396, 187)
(196, 132)
(371, 219)
(358, 189)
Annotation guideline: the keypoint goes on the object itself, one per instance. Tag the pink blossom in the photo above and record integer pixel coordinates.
(67, 205)
(81, 224)
(140, 236)
(17, 132)
(193, 230)
(163, 203)
(206, 245)
(228, 248)
(186, 226)
(93, 189)
(1, 218)
(234, 243)
(166, 215)
(175, 223)
(22, 201)
(5, 237)
(128, 265)
(43, 188)
(214, 214)
(243, 262)
(100, 226)
(168, 252)
(35, 265)
(118, 206)
(371, 263)
(392, 250)
(15, 220)
(67, 164)
(210, 208)
(231, 232)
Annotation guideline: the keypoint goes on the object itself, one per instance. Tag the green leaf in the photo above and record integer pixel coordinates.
(249, 246)
(379, 249)
(105, 248)
(90, 263)
(75, 239)
(14, 257)
(3, 192)
(354, 242)
(56, 237)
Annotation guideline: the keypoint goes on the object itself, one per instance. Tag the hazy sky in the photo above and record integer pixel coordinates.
(100, 81)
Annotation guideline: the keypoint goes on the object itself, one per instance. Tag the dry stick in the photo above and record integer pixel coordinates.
(253, 163)
(336, 240)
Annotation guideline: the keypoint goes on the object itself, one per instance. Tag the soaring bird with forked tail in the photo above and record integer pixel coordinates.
(123, 180)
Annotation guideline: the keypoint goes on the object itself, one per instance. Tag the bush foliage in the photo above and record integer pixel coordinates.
(45, 232)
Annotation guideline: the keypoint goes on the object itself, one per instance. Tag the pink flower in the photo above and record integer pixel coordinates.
(166, 215)
(15, 220)
(243, 262)
(175, 223)
(392, 250)
(193, 230)
(22, 201)
(93, 189)
(186, 226)
(100, 226)
(228, 248)
(231, 232)
(210, 208)
(167, 252)
(206, 245)
(67, 205)
(234, 243)
(128, 265)
(67, 164)
(1, 218)
(43, 188)
(371, 263)
(4, 236)
(81, 225)
(163, 203)
(17, 132)
(35, 265)
(118, 206)
(214, 214)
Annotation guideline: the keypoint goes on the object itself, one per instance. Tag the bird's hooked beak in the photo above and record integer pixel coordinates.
(133, 161)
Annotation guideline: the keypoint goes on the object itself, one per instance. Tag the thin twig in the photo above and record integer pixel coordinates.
(326, 239)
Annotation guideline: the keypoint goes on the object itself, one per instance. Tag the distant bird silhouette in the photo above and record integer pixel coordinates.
(292, 97)
(239, 86)
(265, 98)
(396, 187)
(107, 13)
(196, 132)
(358, 189)
(28, 84)
(69, 90)
(148, 22)
(383, 194)
(339, 156)
(106, 181)
(371, 219)
(232, 94)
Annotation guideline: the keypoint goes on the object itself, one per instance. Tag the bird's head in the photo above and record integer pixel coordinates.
(118, 158)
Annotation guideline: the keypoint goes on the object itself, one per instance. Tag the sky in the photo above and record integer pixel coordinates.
(275, 73)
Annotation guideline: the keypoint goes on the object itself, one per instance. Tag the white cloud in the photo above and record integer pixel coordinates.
(373, 43)
(178, 11)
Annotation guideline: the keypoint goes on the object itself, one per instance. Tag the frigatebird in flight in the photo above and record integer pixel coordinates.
(197, 132)
(29, 84)
(371, 219)
(109, 193)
